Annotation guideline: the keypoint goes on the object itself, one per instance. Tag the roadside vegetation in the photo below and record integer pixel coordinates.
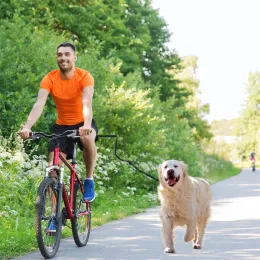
(144, 92)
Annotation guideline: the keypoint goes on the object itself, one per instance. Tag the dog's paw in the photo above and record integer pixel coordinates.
(197, 246)
(169, 250)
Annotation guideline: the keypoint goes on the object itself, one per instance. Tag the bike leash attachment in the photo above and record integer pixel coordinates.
(127, 161)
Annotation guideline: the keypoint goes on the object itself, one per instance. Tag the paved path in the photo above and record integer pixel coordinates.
(233, 231)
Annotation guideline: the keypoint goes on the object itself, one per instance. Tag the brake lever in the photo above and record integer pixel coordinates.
(73, 134)
(34, 136)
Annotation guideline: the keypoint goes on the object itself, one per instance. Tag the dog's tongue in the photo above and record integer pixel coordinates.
(171, 181)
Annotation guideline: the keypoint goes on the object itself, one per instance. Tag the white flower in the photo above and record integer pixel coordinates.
(4, 214)
(5, 155)
(18, 157)
(104, 172)
(13, 212)
(27, 165)
(9, 161)
(131, 188)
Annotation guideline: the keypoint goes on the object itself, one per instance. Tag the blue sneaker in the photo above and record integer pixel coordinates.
(89, 192)
(51, 227)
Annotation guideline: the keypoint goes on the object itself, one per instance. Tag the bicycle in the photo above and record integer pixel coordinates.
(253, 165)
(49, 200)
(77, 210)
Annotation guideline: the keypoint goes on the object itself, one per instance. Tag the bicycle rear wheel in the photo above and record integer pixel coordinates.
(46, 212)
(81, 222)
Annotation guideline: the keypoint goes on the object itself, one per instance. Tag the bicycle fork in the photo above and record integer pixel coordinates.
(56, 209)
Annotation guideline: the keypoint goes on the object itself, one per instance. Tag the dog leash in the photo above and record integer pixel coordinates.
(127, 161)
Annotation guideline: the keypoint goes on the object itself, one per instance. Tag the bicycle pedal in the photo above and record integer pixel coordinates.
(84, 201)
(50, 234)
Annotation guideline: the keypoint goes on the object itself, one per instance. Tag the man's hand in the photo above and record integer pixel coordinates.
(85, 130)
(25, 133)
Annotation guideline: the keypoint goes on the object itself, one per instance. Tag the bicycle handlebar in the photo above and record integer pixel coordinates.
(69, 133)
(75, 134)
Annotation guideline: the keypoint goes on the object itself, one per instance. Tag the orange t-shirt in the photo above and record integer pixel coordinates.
(67, 94)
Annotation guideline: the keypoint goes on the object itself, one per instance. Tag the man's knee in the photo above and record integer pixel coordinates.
(87, 141)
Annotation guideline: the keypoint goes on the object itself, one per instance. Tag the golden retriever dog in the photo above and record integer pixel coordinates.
(184, 201)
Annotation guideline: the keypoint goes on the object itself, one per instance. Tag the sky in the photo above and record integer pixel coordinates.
(225, 36)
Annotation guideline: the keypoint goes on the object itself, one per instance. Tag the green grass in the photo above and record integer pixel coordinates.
(219, 169)
(222, 175)
(11, 243)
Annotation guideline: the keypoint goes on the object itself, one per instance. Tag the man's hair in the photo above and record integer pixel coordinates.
(67, 44)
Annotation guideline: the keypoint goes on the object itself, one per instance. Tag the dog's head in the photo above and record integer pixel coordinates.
(171, 172)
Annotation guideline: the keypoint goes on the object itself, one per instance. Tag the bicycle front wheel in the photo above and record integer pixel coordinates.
(81, 222)
(47, 223)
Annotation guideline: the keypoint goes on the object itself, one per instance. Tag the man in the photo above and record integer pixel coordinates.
(72, 91)
(252, 156)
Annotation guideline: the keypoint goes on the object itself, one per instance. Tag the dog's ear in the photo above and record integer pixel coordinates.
(184, 168)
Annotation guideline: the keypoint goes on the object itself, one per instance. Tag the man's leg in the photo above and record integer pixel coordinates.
(89, 156)
(52, 224)
(89, 153)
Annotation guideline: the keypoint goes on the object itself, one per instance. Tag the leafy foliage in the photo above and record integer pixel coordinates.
(249, 121)
(22, 71)
(225, 127)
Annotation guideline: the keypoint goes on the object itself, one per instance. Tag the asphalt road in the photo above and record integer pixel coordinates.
(232, 233)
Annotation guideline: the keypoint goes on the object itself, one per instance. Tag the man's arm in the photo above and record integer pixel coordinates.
(35, 113)
(87, 110)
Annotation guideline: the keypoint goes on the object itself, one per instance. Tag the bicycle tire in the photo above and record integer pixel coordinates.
(45, 212)
(80, 224)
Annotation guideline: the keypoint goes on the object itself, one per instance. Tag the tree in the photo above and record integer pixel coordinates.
(250, 118)
(195, 111)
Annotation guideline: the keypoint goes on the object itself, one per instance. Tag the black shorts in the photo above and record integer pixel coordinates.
(66, 144)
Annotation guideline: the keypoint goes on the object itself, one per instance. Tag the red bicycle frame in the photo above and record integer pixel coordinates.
(68, 199)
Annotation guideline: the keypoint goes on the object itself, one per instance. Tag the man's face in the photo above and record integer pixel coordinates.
(66, 58)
